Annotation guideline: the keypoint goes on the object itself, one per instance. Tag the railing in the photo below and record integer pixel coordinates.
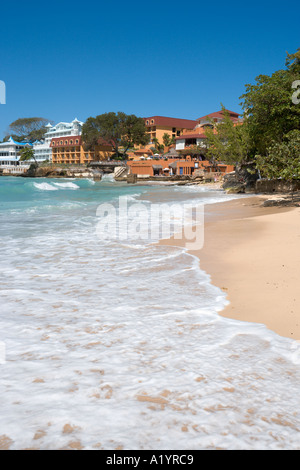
(17, 170)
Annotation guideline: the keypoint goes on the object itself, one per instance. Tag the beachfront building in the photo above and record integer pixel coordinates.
(10, 153)
(188, 134)
(157, 126)
(43, 149)
(197, 135)
(175, 166)
(188, 139)
(217, 117)
(70, 150)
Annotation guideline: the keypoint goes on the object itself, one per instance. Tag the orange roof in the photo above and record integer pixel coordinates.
(148, 151)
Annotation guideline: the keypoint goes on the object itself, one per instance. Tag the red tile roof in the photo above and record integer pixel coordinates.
(191, 136)
(219, 114)
(170, 122)
(66, 140)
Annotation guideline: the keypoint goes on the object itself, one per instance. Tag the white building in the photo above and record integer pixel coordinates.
(43, 150)
(186, 140)
(10, 152)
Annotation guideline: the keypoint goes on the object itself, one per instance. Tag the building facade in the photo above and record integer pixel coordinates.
(43, 149)
(157, 126)
(175, 167)
(10, 152)
(197, 135)
(70, 150)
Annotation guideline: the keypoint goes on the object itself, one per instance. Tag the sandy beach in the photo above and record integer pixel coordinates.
(252, 253)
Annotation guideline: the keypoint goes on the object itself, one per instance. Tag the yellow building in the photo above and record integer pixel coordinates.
(70, 150)
(157, 126)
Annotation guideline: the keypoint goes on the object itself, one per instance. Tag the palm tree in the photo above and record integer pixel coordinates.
(159, 147)
(27, 153)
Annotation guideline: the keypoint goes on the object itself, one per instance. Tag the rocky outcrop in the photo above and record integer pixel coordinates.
(60, 172)
(232, 184)
(265, 186)
(242, 180)
(132, 179)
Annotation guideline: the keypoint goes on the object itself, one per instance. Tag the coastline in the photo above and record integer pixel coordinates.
(252, 254)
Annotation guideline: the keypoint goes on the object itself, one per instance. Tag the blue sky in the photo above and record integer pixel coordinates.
(62, 60)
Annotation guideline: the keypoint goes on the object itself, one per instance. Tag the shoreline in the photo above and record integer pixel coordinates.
(252, 254)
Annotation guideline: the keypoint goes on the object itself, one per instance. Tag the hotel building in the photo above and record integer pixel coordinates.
(175, 167)
(10, 152)
(70, 150)
(187, 133)
(157, 126)
(197, 135)
(43, 149)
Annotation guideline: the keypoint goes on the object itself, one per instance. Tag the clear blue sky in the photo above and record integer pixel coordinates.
(62, 60)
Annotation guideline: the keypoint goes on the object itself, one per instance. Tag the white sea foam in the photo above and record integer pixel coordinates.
(68, 185)
(45, 187)
(120, 344)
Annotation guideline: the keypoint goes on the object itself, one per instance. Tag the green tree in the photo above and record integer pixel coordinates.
(27, 153)
(28, 129)
(228, 141)
(159, 148)
(168, 140)
(195, 151)
(282, 159)
(119, 130)
(268, 107)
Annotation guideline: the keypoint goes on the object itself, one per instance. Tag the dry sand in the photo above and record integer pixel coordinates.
(253, 254)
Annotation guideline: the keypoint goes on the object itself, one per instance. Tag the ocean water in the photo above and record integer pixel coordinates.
(117, 344)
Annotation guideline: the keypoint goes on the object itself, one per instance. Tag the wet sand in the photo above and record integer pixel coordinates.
(252, 253)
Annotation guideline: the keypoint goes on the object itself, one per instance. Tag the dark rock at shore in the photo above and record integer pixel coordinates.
(266, 186)
(131, 179)
(242, 180)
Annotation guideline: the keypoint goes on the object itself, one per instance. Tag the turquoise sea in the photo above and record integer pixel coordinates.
(110, 343)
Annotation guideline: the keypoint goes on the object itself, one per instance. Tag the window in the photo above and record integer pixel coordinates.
(190, 142)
